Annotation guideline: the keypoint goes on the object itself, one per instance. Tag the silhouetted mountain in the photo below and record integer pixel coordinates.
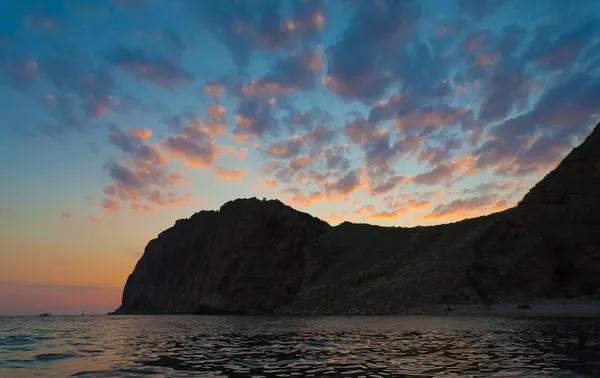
(256, 256)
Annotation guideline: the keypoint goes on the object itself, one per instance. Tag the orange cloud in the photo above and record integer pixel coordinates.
(389, 214)
(272, 182)
(238, 153)
(433, 117)
(305, 200)
(369, 209)
(213, 89)
(299, 162)
(176, 178)
(112, 204)
(216, 111)
(418, 204)
(194, 144)
(465, 207)
(137, 207)
(140, 134)
(101, 109)
(230, 174)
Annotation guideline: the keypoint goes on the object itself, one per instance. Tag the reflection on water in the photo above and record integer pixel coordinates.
(107, 346)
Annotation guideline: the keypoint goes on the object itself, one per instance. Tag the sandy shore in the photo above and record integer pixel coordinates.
(558, 308)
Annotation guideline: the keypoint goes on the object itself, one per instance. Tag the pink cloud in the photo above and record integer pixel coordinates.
(111, 204)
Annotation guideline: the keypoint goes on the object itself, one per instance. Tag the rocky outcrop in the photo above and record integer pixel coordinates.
(256, 256)
(250, 256)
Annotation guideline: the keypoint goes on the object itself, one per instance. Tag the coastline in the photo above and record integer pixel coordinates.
(571, 308)
(560, 308)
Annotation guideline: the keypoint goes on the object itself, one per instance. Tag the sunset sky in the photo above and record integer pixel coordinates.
(121, 116)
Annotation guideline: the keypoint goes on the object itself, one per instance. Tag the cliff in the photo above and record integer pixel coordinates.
(256, 256)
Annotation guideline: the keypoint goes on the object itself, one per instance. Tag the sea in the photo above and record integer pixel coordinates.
(240, 346)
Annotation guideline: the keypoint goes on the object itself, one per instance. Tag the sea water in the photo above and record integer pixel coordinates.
(417, 346)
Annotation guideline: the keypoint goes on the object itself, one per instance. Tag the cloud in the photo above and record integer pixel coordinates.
(345, 185)
(535, 140)
(111, 204)
(245, 27)
(311, 118)
(132, 142)
(359, 64)
(300, 162)
(253, 119)
(443, 115)
(193, 144)
(285, 150)
(296, 71)
(140, 134)
(367, 209)
(94, 219)
(493, 186)
(390, 184)
(300, 199)
(137, 207)
(238, 153)
(443, 172)
(560, 52)
(214, 89)
(66, 215)
(389, 214)
(418, 204)
(158, 70)
(78, 94)
(21, 73)
(434, 156)
(230, 174)
(463, 207)
(272, 182)
(143, 175)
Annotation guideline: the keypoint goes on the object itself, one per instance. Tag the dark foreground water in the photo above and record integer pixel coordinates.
(133, 346)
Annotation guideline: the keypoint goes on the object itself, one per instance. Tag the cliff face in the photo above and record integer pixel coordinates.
(257, 256)
(250, 256)
(549, 245)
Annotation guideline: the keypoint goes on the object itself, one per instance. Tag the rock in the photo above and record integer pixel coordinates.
(256, 256)
(251, 256)
(524, 306)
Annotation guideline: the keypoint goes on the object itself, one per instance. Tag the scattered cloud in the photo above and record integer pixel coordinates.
(111, 204)
(230, 174)
(158, 70)
(463, 208)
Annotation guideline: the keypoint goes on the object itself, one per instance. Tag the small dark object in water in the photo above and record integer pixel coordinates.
(45, 314)
(448, 308)
(524, 306)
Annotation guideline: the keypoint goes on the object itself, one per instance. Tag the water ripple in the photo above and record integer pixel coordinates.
(289, 347)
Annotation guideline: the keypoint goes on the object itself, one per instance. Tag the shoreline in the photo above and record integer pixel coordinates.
(571, 308)
(537, 309)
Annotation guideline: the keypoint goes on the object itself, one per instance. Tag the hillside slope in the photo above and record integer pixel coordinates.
(256, 256)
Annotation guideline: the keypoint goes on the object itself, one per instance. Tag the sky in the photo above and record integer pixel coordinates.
(121, 116)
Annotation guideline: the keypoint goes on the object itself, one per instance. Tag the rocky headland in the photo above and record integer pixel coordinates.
(254, 256)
